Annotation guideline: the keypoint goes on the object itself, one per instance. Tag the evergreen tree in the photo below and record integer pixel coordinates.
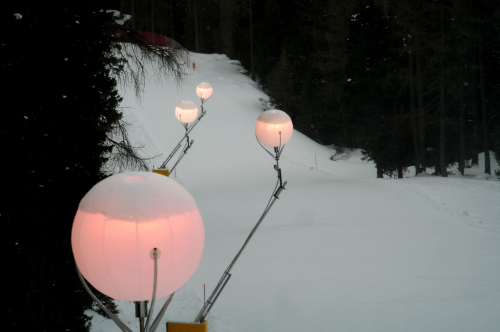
(56, 60)
(61, 62)
(372, 107)
(426, 71)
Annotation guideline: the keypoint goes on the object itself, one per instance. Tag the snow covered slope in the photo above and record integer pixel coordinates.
(340, 250)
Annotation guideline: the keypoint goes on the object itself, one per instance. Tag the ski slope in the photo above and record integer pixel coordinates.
(340, 250)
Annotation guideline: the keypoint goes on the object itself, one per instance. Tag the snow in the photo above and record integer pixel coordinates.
(137, 196)
(119, 17)
(340, 250)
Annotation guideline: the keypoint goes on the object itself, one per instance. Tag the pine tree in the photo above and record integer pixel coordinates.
(372, 98)
(61, 62)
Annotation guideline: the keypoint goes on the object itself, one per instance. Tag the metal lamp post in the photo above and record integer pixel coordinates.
(274, 129)
(187, 113)
(137, 236)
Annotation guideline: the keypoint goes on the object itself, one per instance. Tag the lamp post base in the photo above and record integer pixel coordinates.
(187, 327)
(165, 172)
(141, 312)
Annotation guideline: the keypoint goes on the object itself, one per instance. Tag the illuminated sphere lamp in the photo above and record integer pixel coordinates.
(120, 222)
(186, 111)
(204, 90)
(273, 128)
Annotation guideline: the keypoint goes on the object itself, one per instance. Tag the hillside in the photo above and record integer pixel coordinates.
(340, 250)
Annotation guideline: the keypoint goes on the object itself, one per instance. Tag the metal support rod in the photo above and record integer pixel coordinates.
(111, 315)
(181, 156)
(141, 311)
(164, 164)
(141, 307)
(226, 275)
(211, 300)
(156, 322)
(277, 151)
(276, 167)
(188, 130)
(153, 299)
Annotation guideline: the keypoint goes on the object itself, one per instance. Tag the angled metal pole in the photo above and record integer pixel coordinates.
(111, 315)
(226, 275)
(156, 322)
(140, 305)
(189, 144)
(186, 135)
(164, 164)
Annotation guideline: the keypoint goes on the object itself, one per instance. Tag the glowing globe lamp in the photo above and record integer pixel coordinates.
(118, 224)
(186, 111)
(204, 90)
(273, 128)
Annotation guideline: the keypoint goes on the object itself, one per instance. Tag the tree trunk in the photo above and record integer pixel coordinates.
(250, 12)
(226, 27)
(132, 10)
(461, 162)
(414, 116)
(152, 16)
(475, 126)
(400, 171)
(380, 172)
(172, 29)
(442, 127)
(437, 166)
(196, 28)
(421, 115)
(484, 114)
(442, 103)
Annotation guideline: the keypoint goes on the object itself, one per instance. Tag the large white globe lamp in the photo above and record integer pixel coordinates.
(186, 111)
(204, 90)
(120, 222)
(273, 128)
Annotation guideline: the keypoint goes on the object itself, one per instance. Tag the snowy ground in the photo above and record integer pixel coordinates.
(340, 250)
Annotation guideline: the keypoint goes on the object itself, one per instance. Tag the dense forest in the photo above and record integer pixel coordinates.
(409, 82)
(60, 63)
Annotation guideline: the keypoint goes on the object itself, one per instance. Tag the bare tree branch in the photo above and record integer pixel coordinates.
(136, 53)
(123, 155)
(132, 55)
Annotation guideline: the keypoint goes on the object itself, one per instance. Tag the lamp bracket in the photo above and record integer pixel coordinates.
(111, 315)
(226, 275)
(188, 146)
(277, 150)
(186, 135)
(141, 306)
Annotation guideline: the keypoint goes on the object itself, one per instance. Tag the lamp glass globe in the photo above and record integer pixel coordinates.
(204, 90)
(186, 111)
(121, 220)
(273, 128)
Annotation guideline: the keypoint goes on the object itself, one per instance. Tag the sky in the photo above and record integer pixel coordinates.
(340, 250)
